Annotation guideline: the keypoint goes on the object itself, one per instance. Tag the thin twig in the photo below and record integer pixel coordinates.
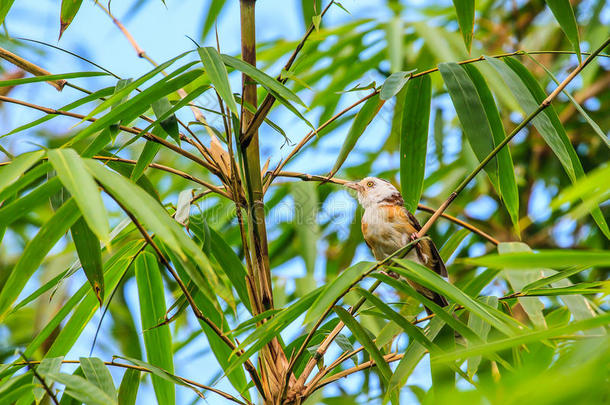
(146, 370)
(39, 378)
(422, 207)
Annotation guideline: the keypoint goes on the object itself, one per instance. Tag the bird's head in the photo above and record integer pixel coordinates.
(373, 191)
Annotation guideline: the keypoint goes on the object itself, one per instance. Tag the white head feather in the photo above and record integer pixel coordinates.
(373, 191)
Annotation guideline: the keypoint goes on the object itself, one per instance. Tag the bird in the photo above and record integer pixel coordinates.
(387, 226)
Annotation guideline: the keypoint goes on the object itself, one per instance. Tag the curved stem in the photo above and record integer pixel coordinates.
(146, 370)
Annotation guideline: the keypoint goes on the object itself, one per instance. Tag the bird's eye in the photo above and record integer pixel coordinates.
(370, 184)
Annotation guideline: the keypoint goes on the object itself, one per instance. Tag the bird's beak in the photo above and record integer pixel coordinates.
(353, 185)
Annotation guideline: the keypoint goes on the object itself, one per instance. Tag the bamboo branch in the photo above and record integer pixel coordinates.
(422, 207)
(30, 68)
(39, 378)
(146, 370)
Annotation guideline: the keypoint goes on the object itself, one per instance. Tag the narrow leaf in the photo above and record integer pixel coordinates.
(81, 389)
(262, 78)
(90, 256)
(169, 124)
(564, 14)
(472, 116)
(414, 140)
(520, 278)
(507, 182)
(365, 340)
(465, 16)
(152, 311)
(394, 84)
(11, 173)
(334, 290)
(97, 373)
(128, 390)
(553, 258)
(217, 72)
(35, 252)
(49, 365)
(364, 117)
(76, 178)
(5, 6)
(69, 8)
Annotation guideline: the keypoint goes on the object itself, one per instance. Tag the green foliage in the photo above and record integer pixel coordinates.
(264, 278)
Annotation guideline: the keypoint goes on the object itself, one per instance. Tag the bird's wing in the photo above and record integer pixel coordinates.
(426, 246)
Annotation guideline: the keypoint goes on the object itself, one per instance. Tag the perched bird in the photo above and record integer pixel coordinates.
(387, 226)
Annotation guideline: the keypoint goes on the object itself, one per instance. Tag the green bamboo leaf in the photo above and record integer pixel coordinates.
(332, 291)
(24, 205)
(98, 374)
(413, 331)
(11, 173)
(79, 182)
(520, 278)
(128, 390)
(529, 94)
(428, 278)
(212, 13)
(120, 85)
(471, 113)
(217, 72)
(49, 78)
(35, 252)
(157, 340)
(231, 264)
(576, 289)
(576, 105)
(82, 306)
(553, 278)
(262, 78)
(157, 371)
(90, 256)
(593, 187)
(414, 140)
(69, 8)
(553, 258)
(482, 329)
(137, 105)
(564, 14)
(525, 338)
(68, 107)
(81, 389)
(365, 340)
(13, 389)
(507, 183)
(147, 210)
(67, 399)
(364, 117)
(394, 84)
(49, 365)
(305, 195)
(120, 95)
(453, 243)
(147, 155)
(465, 16)
(170, 123)
(5, 6)
(37, 173)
